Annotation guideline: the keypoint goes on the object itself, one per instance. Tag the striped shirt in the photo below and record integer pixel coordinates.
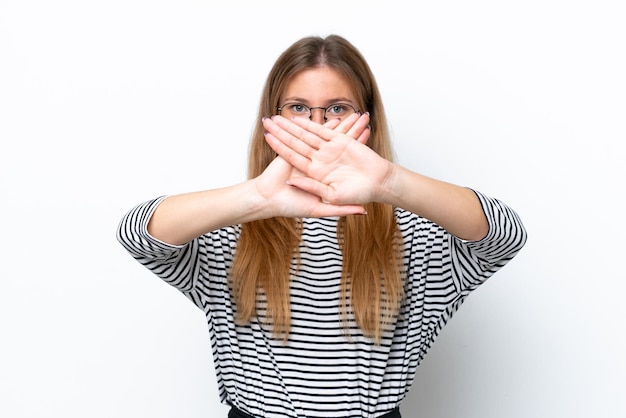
(325, 368)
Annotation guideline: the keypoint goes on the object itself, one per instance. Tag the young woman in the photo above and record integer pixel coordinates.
(325, 277)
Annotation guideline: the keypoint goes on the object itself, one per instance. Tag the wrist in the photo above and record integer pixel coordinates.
(257, 206)
(388, 188)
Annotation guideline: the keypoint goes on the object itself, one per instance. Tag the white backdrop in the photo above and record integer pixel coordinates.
(104, 104)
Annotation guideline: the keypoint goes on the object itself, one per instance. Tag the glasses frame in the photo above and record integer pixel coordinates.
(325, 109)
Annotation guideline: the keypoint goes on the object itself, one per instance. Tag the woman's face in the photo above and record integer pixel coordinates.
(318, 93)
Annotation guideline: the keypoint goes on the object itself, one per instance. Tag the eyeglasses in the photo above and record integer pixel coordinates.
(334, 111)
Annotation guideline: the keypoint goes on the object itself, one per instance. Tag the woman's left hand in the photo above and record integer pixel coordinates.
(334, 162)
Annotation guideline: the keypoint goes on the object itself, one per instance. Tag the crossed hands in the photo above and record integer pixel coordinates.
(321, 170)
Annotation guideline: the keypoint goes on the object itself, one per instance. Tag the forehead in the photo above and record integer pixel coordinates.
(317, 85)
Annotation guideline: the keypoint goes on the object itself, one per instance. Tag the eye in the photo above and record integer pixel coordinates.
(296, 108)
(339, 109)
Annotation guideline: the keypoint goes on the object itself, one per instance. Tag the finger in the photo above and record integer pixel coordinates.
(347, 123)
(312, 186)
(292, 156)
(294, 132)
(365, 135)
(330, 207)
(309, 130)
(332, 123)
(359, 126)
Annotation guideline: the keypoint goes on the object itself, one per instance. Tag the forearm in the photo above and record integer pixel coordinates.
(456, 209)
(180, 218)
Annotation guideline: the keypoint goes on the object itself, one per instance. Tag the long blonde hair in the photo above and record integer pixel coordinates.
(371, 285)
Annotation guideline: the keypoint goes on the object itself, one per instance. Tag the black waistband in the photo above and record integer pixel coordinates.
(238, 413)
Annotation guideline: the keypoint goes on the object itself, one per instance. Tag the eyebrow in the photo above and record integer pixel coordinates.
(328, 102)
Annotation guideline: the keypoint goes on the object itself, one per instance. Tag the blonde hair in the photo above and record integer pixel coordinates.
(371, 244)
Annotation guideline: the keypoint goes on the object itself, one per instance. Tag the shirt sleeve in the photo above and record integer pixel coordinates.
(175, 264)
(475, 261)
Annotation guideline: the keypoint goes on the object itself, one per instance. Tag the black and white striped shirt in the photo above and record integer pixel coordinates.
(325, 369)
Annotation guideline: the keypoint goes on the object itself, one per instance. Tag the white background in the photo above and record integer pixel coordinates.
(104, 104)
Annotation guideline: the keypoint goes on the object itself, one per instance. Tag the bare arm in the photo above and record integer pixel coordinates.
(181, 218)
(455, 208)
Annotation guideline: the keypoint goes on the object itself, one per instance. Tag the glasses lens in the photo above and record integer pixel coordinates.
(339, 110)
(290, 110)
